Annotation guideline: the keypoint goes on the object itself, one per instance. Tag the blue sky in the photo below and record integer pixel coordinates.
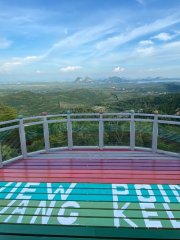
(63, 39)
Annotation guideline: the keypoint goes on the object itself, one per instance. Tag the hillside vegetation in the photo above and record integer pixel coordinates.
(7, 113)
(29, 103)
(166, 104)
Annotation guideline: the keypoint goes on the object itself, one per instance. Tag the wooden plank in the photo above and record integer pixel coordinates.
(42, 237)
(93, 213)
(95, 175)
(81, 185)
(101, 164)
(92, 191)
(104, 157)
(71, 167)
(20, 237)
(93, 205)
(139, 172)
(83, 221)
(88, 197)
(90, 180)
(89, 232)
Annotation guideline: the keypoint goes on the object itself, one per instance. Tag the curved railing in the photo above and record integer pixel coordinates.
(25, 136)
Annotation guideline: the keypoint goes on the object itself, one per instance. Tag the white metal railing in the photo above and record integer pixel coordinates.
(100, 117)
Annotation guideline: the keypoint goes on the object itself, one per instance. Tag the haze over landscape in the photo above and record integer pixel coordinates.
(61, 40)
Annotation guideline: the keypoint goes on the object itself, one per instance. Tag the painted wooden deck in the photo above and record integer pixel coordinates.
(91, 194)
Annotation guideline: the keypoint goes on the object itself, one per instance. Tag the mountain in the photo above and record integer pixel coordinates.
(114, 80)
(78, 80)
(88, 79)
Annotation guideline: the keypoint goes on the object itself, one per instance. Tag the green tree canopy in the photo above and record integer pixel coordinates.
(7, 113)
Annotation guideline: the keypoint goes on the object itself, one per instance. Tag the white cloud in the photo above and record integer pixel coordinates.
(67, 44)
(145, 51)
(16, 62)
(152, 69)
(30, 58)
(38, 71)
(163, 37)
(141, 1)
(70, 68)
(146, 42)
(4, 43)
(112, 42)
(118, 69)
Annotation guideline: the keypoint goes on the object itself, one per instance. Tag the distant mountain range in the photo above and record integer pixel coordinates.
(106, 80)
(116, 79)
(158, 79)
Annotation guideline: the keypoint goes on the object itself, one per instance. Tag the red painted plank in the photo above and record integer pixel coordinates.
(75, 175)
(159, 168)
(139, 172)
(68, 163)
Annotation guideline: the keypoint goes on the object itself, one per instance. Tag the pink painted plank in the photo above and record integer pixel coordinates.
(90, 180)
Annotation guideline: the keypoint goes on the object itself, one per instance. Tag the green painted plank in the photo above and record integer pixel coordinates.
(92, 205)
(77, 231)
(84, 221)
(20, 237)
(91, 213)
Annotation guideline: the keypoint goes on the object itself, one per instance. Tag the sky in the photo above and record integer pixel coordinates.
(65, 39)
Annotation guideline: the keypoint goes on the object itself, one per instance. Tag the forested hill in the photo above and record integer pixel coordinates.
(7, 113)
(28, 103)
(85, 100)
(165, 104)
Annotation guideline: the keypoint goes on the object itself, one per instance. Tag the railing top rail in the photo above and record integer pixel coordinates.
(29, 118)
(85, 114)
(92, 114)
(144, 114)
(115, 114)
(168, 116)
(57, 115)
(10, 121)
(8, 128)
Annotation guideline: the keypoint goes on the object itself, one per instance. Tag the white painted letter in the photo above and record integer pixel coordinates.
(9, 205)
(7, 185)
(174, 187)
(73, 216)
(116, 192)
(150, 198)
(13, 190)
(18, 210)
(164, 195)
(64, 195)
(27, 189)
(175, 223)
(46, 212)
(150, 223)
(119, 214)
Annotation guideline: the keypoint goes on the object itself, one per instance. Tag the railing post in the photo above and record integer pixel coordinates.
(46, 133)
(155, 132)
(1, 164)
(22, 137)
(101, 130)
(132, 131)
(69, 130)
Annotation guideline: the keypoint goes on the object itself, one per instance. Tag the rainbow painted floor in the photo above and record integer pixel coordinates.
(91, 194)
